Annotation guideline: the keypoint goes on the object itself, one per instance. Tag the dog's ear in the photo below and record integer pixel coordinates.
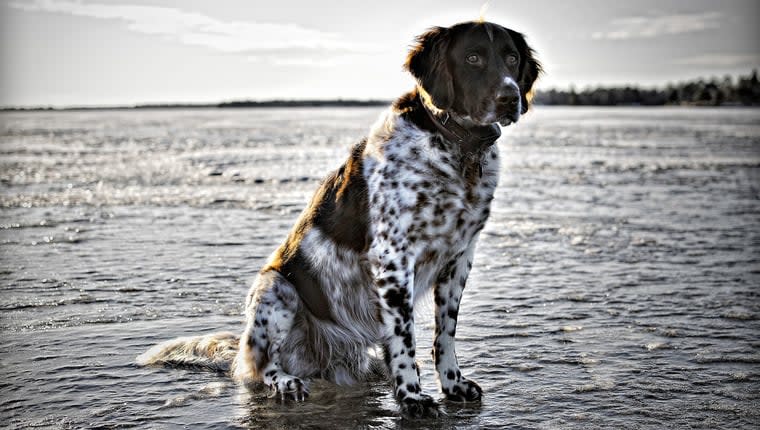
(530, 69)
(427, 63)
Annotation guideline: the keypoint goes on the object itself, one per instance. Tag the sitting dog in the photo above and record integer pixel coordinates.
(400, 217)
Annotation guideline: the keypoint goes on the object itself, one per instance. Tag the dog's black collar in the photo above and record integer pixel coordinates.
(471, 140)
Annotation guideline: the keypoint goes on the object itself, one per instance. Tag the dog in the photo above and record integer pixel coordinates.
(399, 218)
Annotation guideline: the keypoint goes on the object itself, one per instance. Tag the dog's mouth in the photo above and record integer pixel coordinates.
(508, 119)
(503, 120)
(492, 113)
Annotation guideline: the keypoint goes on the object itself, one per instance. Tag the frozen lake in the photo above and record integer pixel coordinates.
(617, 284)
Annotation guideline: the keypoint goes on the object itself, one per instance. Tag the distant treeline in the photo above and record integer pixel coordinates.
(742, 91)
(303, 103)
(232, 104)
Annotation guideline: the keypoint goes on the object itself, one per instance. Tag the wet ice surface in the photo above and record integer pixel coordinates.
(616, 284)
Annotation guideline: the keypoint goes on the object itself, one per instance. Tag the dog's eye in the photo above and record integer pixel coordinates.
(473, 59)
(511, 59)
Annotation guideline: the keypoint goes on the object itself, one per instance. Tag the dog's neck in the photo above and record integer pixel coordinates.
(472, 139)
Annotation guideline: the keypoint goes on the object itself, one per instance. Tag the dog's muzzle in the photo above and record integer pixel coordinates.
(508, 104)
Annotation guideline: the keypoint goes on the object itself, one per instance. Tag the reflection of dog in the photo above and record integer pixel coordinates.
(402, 215)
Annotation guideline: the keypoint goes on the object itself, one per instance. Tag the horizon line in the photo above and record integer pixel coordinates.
(339, 101)
(235, 104)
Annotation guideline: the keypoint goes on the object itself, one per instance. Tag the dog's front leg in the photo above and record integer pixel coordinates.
(394, 278)
(448, 294)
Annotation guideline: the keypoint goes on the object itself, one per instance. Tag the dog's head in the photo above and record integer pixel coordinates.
(480, 71)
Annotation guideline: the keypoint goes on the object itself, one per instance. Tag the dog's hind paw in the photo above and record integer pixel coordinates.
(289, 388)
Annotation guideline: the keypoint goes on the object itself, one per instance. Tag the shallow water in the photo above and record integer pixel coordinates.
(616, 284)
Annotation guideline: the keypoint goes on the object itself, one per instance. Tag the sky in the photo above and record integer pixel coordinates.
(121, 52)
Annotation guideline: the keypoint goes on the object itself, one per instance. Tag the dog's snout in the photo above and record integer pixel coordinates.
(508, 104)
(508, 94)
(509, 100)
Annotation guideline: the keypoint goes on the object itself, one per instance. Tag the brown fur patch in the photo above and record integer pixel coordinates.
(339, 209)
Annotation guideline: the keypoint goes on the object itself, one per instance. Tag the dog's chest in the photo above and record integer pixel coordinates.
(434, 200)
(454, 204)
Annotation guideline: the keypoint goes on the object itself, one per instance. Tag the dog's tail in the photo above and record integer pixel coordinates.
(214, 351)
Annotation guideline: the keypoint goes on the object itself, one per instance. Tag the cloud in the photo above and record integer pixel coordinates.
(307, 60)
(196, 29)
(721, 60)
(644, 27)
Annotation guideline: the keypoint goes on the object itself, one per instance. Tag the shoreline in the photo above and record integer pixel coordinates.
(318, 104)
(222, 105)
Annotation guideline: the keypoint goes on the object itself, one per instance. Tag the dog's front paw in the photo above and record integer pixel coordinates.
(290, 388)
(463, 390)
(419, 407)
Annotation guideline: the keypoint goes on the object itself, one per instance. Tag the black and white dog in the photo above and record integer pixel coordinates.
(400, 217)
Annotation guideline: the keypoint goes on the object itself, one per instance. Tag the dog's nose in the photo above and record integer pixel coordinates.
(508, 98)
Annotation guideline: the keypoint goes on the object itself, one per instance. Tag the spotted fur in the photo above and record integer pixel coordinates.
(400, 218)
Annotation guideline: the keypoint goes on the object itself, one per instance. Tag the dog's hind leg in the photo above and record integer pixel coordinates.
(270, 313)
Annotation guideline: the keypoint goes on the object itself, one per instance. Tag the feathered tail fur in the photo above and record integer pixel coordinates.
(214, 351)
